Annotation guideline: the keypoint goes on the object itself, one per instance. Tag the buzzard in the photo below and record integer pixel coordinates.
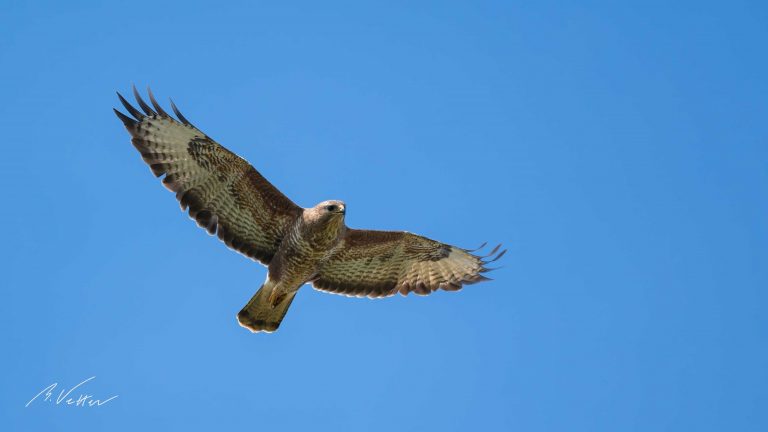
(230, 199)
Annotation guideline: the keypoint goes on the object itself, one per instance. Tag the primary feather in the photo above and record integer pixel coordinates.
(222, 192)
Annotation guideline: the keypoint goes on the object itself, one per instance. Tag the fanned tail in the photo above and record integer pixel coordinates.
(260, 314)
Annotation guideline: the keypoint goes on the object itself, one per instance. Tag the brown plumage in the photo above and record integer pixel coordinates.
(381, 263)
(226, 196)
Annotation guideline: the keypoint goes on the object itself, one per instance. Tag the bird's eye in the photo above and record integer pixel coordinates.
(331, 208)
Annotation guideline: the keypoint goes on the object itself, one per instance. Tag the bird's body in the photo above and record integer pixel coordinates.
(312, 239)
(229, 198)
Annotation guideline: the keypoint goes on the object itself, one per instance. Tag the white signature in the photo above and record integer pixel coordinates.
(82, 400)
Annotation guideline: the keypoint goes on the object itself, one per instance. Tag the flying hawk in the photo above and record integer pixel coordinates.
(230, 199)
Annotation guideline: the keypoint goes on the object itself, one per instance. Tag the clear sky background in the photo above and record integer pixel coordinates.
(620, 152)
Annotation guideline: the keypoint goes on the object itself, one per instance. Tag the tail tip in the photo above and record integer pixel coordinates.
(255, 325)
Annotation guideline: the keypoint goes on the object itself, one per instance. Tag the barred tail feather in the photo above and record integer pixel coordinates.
(260, 314)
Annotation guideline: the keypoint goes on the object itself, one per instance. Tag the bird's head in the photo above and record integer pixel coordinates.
(327, 212)
(326, 220)
(331, 209)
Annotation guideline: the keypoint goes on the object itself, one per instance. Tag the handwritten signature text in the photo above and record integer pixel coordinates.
(64, 398)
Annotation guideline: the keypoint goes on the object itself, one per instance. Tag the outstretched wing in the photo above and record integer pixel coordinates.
(224, 194)
(382, 263)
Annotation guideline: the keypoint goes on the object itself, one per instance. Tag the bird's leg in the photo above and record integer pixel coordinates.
(275, 298)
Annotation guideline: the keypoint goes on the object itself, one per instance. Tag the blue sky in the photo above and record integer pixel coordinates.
(618, 150)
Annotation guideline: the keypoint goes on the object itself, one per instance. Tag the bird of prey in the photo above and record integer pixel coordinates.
(230, 199)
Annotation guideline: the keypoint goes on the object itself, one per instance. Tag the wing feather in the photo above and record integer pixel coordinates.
(382, 263)
(223, 193)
